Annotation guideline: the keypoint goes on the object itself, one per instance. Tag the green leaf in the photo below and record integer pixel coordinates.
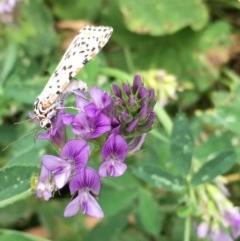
(155, 149)
(36, 28)
(190, 66)
(23, 89)
(15, 183)
(229, 117)
(216, 141)
(8, 135)
(20, 210)
(109, 228)
(149, 214)
(114, 201)
(185, 211)
(10, 59)
(91, 71)
(59, 228)
(10, 235)
(156, 17)
(27, 151)
(87, 10)
(118, 194)
(158, 178)
(181, 146)
(131, 235)
(217, 166)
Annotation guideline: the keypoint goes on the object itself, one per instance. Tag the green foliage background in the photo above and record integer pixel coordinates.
(194, 40)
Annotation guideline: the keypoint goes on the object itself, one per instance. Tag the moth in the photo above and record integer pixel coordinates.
(87, 44)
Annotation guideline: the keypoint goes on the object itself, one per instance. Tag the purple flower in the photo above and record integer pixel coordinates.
(6, 10)
(7, 6)
(91, 127)
(105, 120)
(202, 229)
(125, 116)
(73, 157)
(232, 217)
(135, 144)
(215, 233)
(114, 152)
(137, 83)
(59, 168)
(144, 110)
(57, 133)
(132, 127)
(133, 107)
(149, 122)
(86, 183)
(127, 89)
(151, 98)
(44, 187)
(81, 102)
(77, 151)
(67, 118)
(101, 102)
(220, 235)
(116, 90)
(221, 220)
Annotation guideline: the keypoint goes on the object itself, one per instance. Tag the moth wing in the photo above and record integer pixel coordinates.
(87, 44)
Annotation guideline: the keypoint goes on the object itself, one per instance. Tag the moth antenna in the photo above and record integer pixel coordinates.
(68, 107)
(76, 92)
(37, 131)
(21, 122)
(18, 139)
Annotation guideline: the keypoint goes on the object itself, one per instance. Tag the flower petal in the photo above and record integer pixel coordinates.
(86, 178)
(112, 168)
(52, 162)
(99, 97)
(149, 122)
(202, 230)
(81, 102)
(77, 150)
(61, 178)
(135, 144)
(220, 235)
(93, 208)
(43, 191)
(132, 126)
(87, 203)
(67, 118)
(116, 90)
(115, 146)
(91, 127)
(72, 208)
(44, 187)
(57, 133)
(137, 82)
(232, 216)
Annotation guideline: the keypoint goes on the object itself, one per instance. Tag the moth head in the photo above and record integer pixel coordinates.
(46, 124)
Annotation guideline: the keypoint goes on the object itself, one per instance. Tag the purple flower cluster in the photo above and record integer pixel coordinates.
(220, 220)
(6, 10)
(115, 124)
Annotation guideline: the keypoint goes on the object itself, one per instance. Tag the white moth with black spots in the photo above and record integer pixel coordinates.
(88, 43)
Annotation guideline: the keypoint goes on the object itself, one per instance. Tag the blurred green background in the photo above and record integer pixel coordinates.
(189, 51)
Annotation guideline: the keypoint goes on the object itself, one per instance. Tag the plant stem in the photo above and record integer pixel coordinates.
(15, 198)
(129, 60)
(118, 74)
(163, 118)
(159, 135)
(187, 229)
